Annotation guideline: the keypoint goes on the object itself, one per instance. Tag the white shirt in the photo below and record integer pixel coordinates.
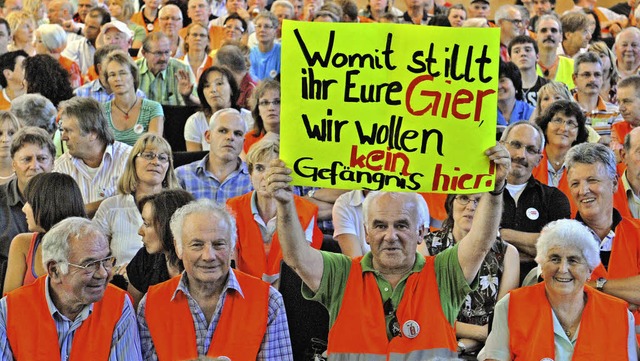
(497, 345)
(104, 183)
(120, 219)
(348, 219)
(81, 51)
(197, 124)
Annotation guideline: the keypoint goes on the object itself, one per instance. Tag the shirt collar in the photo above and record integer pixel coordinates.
(13, 194)
(367, 263)
(231, 284)
(144, 68)
(53, 310)
(617, 218)
(254, 203)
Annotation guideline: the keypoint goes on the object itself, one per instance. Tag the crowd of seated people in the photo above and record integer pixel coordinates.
(132, 226)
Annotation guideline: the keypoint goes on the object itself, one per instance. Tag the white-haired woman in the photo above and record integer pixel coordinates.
(561, 318)
(51, 39)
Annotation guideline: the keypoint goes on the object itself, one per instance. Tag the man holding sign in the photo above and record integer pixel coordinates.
(370, 312)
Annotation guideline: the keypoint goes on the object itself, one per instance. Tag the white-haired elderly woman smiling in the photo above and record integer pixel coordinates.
(561, 318)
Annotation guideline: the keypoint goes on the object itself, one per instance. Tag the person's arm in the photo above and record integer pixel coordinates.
(146, 342)
(525, 242)
(627, 289)
(135, 295)
(156, 125)
(186, 86)
(6, 354)
(296, 251)
(324, 198)
(475, 245)
(470, 331)
(276, 344)
(193, 146)
(511, 275)
(92, 207)
(497, 346)
(125, 344)
(17, 263)
(349, 244)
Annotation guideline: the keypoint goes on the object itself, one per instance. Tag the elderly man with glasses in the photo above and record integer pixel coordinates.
(164, 79)
(73, 311)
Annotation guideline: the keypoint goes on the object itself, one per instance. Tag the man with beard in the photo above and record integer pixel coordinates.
(528, 205)
(588, 77)
(550, 65)
(163, 78)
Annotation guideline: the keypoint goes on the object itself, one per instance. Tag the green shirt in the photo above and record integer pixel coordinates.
(451, 282)
(163, 87)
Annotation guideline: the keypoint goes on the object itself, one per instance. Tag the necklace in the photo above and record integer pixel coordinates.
(126, 114)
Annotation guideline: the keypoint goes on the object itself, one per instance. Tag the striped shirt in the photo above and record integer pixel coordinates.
(104, 182)
(125, 344)
(163, 87)
(197, 180)
(276, 344)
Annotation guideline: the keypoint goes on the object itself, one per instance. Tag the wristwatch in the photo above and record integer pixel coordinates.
(311, 193)
(600, 283)
(461, 347)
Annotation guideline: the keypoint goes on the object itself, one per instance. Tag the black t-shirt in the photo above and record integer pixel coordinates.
(622, 8)
(146, 270)
(531, 95)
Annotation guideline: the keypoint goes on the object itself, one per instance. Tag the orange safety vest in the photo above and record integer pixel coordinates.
(242, 324)
(621, 129)
(620, 201)
(251, 257)
(625, 256)
(32, 332)
(360, 328)
(541, 173)
(604, 326)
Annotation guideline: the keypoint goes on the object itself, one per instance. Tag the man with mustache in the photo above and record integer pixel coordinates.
(588, 78)
(550, 64)
(528, 205)
(163, 78)
(73, 311)
(629, 102)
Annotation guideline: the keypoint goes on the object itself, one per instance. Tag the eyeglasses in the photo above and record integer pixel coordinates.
(569, 123)
(94, 266)
(587, 75)
(266, 103)
(167, 18)
(515, 145)
(264, 26)
(516, 22)
(394, 325)
(198, 35)
(465, 200)
(234, 28)
(149, 156)
(160, 53)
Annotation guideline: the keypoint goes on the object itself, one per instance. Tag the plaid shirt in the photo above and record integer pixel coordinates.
(95, 90)
(276, 344)
(196, 179)
(163, 87)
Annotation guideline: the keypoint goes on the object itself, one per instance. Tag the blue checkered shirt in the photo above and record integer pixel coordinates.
(197, 180)
(95, 90)
(125, 344)
(276, 344)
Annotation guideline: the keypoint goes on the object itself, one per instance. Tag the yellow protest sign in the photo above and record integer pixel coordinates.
(389, 106)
